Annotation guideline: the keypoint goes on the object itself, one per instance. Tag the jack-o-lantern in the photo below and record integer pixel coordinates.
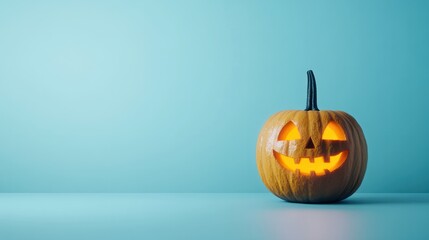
(311, 156)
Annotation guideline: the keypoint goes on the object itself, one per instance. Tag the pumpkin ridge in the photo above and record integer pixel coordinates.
(362, 164)
(362, 144)
(291, 190)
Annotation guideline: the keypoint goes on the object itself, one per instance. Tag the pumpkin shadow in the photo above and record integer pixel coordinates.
(381, 199)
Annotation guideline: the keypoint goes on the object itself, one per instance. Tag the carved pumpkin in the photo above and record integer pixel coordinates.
(311, 156)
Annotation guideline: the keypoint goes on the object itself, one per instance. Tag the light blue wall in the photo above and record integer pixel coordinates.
(131, 96)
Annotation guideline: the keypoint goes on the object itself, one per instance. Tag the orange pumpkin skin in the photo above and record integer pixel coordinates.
(303, 170)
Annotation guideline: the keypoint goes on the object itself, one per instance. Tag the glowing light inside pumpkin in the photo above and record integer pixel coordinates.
(333, 131)
(318, 166)
(289, 132)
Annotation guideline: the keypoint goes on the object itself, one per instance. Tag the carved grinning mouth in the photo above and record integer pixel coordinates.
(318, 166)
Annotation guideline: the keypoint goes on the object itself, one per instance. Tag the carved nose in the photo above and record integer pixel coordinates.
(309, 144)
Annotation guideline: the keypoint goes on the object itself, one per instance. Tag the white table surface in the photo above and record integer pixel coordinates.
(210, 216)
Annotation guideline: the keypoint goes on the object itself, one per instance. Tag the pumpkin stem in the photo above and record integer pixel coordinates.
(311, 92)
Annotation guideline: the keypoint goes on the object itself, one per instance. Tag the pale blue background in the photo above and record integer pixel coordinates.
(169, 96)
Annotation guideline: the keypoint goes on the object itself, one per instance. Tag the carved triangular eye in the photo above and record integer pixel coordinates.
(333, 131)
(289, 132)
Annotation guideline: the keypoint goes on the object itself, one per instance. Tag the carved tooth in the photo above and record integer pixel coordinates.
(313, 173)
(327, 172)
(297, 160)
(297, 172)
(312, 159)
(327, 159)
